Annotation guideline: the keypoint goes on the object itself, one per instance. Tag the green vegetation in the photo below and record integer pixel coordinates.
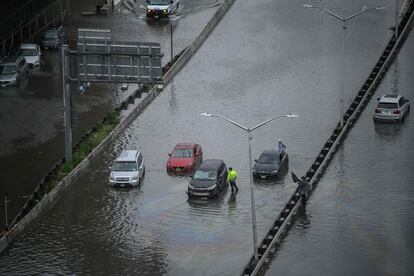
(101, 130)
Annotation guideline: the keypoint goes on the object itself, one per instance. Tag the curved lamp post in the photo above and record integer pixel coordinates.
(249, 138)
(344, 20)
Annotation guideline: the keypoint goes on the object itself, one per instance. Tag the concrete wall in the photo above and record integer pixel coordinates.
(48, 200)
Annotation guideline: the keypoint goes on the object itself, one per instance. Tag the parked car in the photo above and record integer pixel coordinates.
(161, 8)
(391, 108)
(186, 157)
(270, 163)
(13, 70)
(53, 38)
(209, 179)
(31, 53)
(128, 169)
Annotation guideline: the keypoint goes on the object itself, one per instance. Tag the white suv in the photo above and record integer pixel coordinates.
(128, 169)
(391, 108)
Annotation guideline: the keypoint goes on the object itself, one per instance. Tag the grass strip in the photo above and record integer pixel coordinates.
(85, 147)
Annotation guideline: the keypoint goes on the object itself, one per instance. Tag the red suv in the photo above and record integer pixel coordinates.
(186, 157)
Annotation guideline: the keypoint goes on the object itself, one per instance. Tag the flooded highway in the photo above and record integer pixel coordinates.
(31, 118)
(359, 220)
(253, 66)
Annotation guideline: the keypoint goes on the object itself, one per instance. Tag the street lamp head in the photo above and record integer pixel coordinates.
(292, 115)
(206, 114)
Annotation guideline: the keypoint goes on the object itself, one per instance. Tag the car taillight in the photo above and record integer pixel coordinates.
(377, 110)
(396, 112)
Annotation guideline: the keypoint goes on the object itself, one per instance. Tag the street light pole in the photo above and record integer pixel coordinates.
(397, 12)
(249, 138)
(344, 27)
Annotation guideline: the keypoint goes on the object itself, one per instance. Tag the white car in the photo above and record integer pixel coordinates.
(31, 53)
(161, 8)
(391, 108)
(128, 169)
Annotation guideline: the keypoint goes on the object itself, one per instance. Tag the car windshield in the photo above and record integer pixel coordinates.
(124, 166)
(28, 52)
(50, 34)
(159, 2)
(7, 70)
(205, 175)
(268, 159)
(182, 153)
(388, 105)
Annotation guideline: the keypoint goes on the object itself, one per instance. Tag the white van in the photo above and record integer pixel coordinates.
(128, 169)
(161, 8)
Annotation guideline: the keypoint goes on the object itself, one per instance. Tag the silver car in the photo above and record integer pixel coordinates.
(391, 108)
(31, 53)
(13, 70)
(128, 169)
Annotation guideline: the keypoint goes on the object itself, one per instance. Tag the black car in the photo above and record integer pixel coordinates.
(53, 38)
(270, 163)
(209, 179)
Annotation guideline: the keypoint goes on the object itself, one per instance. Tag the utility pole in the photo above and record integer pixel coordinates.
(6, 202)
(172, 54)
(67, 103)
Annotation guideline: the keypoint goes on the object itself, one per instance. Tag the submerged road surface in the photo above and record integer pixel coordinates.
(264, 58)
(360, 220)
(31, 118)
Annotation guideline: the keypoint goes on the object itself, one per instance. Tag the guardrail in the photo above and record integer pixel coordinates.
(329, 148)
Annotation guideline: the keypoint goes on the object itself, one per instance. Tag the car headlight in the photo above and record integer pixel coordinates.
(190, 186)
(134, 177)
(274, 172)
(111, 177)
(149, 10)
(164, 11)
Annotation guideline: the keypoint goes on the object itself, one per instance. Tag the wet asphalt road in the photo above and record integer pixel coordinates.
(31, 118)
(359, 221)
(251, 68)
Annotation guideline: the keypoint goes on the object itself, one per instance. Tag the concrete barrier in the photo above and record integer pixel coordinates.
(47, 201)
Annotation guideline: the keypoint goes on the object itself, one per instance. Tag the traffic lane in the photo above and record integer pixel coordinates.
(250, 90)
(35, 142)
(359, 219)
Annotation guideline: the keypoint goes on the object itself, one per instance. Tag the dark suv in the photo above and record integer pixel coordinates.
(13, 70)
(209, 179)
(53, 38)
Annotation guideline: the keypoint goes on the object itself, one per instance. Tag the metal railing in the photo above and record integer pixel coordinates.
(30, 29)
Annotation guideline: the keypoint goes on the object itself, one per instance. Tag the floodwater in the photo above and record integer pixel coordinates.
(31, 118)
(264, 58)
(359, 221)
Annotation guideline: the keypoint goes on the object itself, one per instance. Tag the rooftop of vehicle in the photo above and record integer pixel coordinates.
(127, 155)
(185, 145)
(28, 46)
(10, 59)
(210, 164)
(390, 99)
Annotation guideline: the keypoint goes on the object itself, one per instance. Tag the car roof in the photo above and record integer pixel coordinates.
(185, 145)
(28, 46)
(127, 155)
(211, 164)
(10, 59)
(270, 152)
(390, 98)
